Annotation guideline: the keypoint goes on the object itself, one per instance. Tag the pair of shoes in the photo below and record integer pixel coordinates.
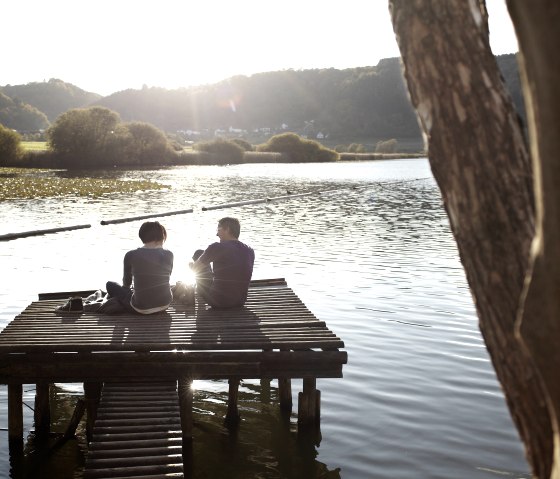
(73, 305)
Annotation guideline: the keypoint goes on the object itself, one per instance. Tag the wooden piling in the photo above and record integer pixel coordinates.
(15, 414)
(232, 415)
(42, 413)
(185, 392)
(92, 393)
(285, 393)
(309, 404)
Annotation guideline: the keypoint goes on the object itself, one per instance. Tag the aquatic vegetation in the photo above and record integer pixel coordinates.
(23, 183)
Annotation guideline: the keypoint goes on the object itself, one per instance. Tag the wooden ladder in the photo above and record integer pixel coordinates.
(137, 432)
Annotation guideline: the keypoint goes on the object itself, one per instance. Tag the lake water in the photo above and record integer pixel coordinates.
(370, 252)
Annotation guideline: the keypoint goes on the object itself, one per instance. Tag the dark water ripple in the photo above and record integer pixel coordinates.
(370, 253)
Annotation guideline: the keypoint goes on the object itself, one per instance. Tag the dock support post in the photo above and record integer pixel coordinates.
(309, 407)
(285, 393)
(185, 392)
(42, 413)
(232, 416)
(15, 415)
(92, 394)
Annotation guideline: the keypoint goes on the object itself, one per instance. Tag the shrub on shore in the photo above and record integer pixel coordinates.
(387, 146)
(93, 137)
(221, 151)
(298, 149)
(10, 146)
(243, 144)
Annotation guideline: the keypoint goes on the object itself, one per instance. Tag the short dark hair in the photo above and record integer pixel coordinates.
(232, 224)
(152, 231)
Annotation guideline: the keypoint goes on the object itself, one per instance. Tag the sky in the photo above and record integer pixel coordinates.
(105, 46)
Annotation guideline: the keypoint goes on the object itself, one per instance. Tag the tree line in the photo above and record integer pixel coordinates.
(342, 105)
(96, 137)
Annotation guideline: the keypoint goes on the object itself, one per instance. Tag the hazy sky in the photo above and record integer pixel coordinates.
(105, 46)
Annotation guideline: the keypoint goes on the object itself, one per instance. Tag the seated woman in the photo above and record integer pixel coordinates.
(146, 288)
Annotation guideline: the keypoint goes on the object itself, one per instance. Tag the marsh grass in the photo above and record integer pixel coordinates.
(34, 145)
(24, 183)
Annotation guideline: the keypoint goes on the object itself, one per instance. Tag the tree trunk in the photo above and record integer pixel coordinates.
(480, 161)
(537, 27)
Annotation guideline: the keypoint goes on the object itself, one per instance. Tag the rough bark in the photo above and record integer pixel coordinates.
(537, 27)
(480, 161)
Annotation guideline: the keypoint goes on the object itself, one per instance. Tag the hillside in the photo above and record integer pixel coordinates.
(366, 102)
(358, 102)
(52, 97)
(16, 115)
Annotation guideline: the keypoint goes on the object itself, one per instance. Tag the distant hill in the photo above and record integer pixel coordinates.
(20, 116)
(52, 97)
(359, 102)
(366, 102)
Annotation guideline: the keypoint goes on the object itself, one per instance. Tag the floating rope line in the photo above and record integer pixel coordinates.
(238, 203)
(25, 234)
(12, 236)
(257, 201)
(143, 217)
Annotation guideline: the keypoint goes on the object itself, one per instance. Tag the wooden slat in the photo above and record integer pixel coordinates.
(142, 439)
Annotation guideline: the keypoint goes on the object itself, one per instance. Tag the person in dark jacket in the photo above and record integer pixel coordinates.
(223, 271)
(147, 270)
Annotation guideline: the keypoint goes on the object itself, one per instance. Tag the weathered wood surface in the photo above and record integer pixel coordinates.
(274, 335)
(137, 432)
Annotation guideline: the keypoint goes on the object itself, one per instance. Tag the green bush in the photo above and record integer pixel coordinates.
(387, 146)
(10, 146)
(82, 136)
(243, 144)
(356, 148)
(299, 150)
(87, 137)
(147, 144)
(221, 151)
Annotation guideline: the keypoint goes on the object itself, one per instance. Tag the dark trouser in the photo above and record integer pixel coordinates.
(204, 280)
(115, 290)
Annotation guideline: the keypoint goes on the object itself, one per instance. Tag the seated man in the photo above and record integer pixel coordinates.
(225, 284)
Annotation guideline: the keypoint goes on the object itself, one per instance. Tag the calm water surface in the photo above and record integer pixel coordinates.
(370, 252)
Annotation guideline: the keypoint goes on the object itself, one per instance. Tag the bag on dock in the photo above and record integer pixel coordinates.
(183, 293)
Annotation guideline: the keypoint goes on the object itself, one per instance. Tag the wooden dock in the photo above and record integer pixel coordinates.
(273, 336)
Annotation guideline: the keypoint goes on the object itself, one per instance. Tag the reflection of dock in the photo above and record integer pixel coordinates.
(273, 336)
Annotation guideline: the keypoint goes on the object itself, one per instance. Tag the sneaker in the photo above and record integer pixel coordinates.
(73, 305)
